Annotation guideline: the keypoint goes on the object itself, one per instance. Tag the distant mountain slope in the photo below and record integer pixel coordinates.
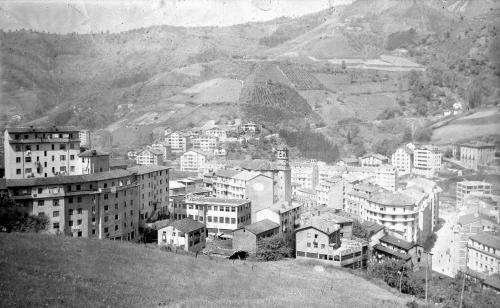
(40, 270)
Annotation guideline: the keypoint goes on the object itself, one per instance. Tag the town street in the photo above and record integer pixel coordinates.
(443, 256)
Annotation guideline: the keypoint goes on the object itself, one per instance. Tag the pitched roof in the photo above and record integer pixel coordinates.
(227, 173)
(321, 224)
(366, 187)
(142, 169)
(196, 151)
(50, 129)
(307, 190)
(261, 226)
(92, 153)
(256, 164)
(61, 180)
(487, 238)
(492, 281)
(376, 155)
(478, 144)
(392, 198)
(187, 225)
(372, 227)
(473, 217)
(246, 175)
(394, 241)
(399, 255)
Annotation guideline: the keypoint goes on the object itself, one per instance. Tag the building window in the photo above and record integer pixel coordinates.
(55, 214)
(116, 227)
(106, 208)
(227, 220)
(18, 159)
(70, 212)
(62, 157)
(105, 196)
(18, 171)
(116, 206)
(106, 230)
(209, 218)
(70, 200)
(308, 244)
(93, 231)
(72, 157)
(315, 245)
(28, 170)
(27, 159)
(55, 225)
(116, 217)
(79, 210)
(70, 223)
(62, 146)
(41, 203)
(105, 218)
(79, 222)
(79, 199)
(55, 202)
(79, 233)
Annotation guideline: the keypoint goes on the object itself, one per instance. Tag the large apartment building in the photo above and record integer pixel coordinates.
(473, 155)
(41, 152)
(402, 160)
(384, 176)
(205, 143)
(305, 174)
(426, 161)
(153, 197)
(465, 188)
(193, 160)
(177, 141)
(100, 205)
(483, 253)
(149, 157)
(218, 214)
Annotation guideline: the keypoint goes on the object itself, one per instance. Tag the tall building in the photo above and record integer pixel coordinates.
(85, 138)
(149, 157)
(177, 141)
(153, 197)
(402, 160)
(193, 160)
(465, 188)
(473, 155)
(426, 161)
(305, 174)
(41, 152)
(99, 205)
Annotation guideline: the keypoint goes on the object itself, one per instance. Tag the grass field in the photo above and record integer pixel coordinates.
(40, 270)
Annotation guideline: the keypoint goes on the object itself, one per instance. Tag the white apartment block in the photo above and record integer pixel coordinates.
(205, 143)
(41, 152)
(426, 161)
(177, 141)
(219, 214)
(162, 147)
(402, 160)
(483, 253)
(305, 174)
(149, 157)
(384, 176)
(193, 160)
(465, 188)
(85, 138)
(218, 133)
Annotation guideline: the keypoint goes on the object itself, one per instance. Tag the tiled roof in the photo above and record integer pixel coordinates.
(392, 198)
(61, 180)
(372, 227)
(394, 241)
(51, 129)
(472, 217)
(320, 223)
(147, 169)
(256, 164)
(187, 225)
(246, 175)
(227, 173)
(261, 226)
(92, 153)
(397, 254)
(487, 238)
(307, 190)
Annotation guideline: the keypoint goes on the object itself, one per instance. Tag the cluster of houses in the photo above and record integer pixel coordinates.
(55, 172)
(197, 149)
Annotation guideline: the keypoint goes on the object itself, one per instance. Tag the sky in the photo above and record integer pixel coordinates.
(84, 16)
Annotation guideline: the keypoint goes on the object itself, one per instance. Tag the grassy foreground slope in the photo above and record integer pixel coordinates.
(39, 270)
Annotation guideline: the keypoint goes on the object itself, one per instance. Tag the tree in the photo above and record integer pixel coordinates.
(407, 135)
(274, 248)
(359, 230)
(423, 134)
(12, 219)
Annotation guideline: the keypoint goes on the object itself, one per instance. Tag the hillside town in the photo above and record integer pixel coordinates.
(182, 192)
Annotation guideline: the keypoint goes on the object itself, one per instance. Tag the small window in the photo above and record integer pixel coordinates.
(79, 210)
(55, 214)
(55, 225)
(106, 208)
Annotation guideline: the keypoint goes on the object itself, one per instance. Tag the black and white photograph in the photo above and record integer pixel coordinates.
(250, 153)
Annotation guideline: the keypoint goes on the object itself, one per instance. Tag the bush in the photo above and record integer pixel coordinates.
(273, 248)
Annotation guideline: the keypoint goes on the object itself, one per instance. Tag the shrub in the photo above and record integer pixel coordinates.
(12, 219)
(273, 248)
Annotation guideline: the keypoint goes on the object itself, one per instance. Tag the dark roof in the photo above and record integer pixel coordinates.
(187, 225)
(376, 155)
(257, 165)
(227, 173)
(51, 129)
(147, 169)
(394, 241)
(472, 217)
(493, 281)
(487, 238)
(261, 226)
(92, 153)
(478, 144)
(397, 254)
(392, 198)
(60, 180)
(372, 227)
